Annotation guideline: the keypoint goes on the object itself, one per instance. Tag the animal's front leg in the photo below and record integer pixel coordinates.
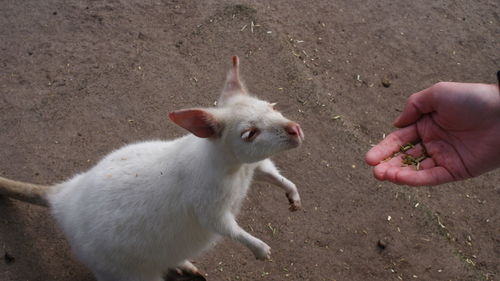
(267, 172)
(227, 226)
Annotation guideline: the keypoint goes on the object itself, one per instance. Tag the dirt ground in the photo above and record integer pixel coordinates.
(81, 78)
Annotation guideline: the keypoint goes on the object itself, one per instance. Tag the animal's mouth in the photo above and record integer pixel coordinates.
(297, 139)
(300, 135)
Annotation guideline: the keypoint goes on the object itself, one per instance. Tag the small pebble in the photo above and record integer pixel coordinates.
(382, 244)
(386, 82)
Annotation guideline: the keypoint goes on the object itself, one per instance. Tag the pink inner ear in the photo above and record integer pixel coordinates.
(233, 84)
(197, 121)
(236, 62)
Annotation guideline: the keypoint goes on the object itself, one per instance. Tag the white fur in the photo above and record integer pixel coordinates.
(153, 205)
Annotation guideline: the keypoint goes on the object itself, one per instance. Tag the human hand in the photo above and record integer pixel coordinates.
(457, 124)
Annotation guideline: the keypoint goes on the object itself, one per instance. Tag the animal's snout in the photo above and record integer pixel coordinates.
(293, 129)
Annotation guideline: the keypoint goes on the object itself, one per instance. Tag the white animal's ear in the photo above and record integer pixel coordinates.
(233, 85)
(200, 122)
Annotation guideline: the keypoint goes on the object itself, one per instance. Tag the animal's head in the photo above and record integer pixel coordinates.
(249, 127)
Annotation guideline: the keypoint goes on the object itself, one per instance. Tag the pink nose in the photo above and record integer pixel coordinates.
(293, 129)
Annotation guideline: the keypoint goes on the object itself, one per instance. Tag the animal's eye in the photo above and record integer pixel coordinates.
(250, 134)
(273, 105)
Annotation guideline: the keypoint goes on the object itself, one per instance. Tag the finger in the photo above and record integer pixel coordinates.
(391, 144)
(380, 171)
(427, 163)
(417, 104)
(433, 176)
(416, 151)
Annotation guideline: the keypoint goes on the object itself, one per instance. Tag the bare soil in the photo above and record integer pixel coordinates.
(81, 78)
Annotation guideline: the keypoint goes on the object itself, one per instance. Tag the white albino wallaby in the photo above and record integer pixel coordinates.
(153, 205)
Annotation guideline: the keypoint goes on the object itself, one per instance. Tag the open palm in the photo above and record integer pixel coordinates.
(456, 125)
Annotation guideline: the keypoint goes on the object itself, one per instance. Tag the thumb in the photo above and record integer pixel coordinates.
(417, 105)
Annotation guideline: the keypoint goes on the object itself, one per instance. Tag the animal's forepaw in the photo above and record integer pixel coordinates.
(181, 275)
(263, 252)
(187, 271)
(295, 206)
(294, 200)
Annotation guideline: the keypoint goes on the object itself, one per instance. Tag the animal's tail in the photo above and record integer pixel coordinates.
(28, 192)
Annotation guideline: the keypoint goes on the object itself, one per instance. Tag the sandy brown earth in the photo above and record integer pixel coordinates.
(81, 78)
